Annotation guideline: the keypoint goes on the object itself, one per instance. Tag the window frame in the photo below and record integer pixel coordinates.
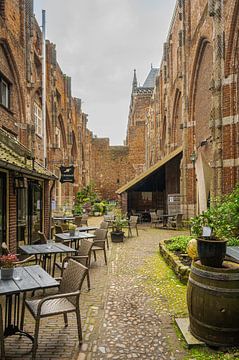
(38, 119)
(6, 83)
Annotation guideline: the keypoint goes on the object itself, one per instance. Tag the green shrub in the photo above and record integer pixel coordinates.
(222, 218)
(178, 243)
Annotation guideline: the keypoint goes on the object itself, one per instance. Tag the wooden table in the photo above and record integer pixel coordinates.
(46, 250)
(32, 278)
(66, 237)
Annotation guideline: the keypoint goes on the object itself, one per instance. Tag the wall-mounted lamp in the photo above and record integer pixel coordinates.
(20, 182)
(193, 157)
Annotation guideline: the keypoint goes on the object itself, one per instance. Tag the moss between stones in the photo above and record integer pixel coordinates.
(182, 271)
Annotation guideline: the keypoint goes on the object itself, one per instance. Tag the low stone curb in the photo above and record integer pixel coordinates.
(182, 271)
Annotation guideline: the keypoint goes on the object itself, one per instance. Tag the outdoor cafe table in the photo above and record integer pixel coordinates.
(63, 218)
(86, 228)
(67, 237)
(46, 250)
(31, 278)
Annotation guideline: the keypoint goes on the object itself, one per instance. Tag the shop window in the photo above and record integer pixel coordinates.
(4, 92)
(38, 119)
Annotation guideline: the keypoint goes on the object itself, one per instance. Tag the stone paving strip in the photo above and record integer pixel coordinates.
(118, 317)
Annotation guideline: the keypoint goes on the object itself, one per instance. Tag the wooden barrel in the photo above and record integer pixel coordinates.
(213, 303)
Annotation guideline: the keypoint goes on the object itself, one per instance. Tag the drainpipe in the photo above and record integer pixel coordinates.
(44, 86)
(50, 212)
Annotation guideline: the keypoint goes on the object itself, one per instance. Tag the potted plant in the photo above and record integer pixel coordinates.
(7, 263)
(72, 227)
(211, 244)
(117, 233)
(97, 209)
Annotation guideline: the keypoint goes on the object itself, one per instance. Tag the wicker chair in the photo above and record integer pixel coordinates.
(175, 221)
(105, 225)
(99, 242)
(84, 220)
(78, 220)
(133, 220)
(82, 256)
(154, 218)
(22, 259)
(65, 301)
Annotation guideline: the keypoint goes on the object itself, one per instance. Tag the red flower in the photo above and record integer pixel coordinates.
(7, 261)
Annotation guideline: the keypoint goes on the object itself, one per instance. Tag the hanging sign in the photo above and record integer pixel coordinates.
(67, 174)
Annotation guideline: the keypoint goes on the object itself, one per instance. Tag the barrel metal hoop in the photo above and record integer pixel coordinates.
(215, 276)
(213, 288)
(214, 327)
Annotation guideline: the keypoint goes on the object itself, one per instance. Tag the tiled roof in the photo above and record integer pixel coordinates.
(20, 160)
(150, 81)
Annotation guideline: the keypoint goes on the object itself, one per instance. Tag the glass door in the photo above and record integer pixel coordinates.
(2, 207)
(22, 216)
(34, 210)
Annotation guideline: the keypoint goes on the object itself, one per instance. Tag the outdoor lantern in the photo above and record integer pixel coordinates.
(193, 157)
(20, 182)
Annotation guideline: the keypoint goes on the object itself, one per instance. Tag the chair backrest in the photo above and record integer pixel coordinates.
(5, 250)
(153, 216)
(179, 219)
(43, 239)
(78, 220)
(58, 229)
(72, 279)
(159, 212)
(85, 247)
(85, 217)
(104, 225)
(133, 220)
(100, 234)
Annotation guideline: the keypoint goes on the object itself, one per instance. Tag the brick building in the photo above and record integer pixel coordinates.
(194, 107)
(27, 188)
(113, 166)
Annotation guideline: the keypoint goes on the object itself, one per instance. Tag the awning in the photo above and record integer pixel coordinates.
(14, 156)
(150, 170)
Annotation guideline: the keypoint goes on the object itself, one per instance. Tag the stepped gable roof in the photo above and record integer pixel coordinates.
(150, 80)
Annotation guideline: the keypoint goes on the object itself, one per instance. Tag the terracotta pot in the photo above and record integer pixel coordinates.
(6, 273)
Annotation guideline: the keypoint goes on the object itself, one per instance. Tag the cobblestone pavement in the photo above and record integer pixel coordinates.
(119, 321)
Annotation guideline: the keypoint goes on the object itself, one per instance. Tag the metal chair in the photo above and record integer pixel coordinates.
(82, 256)
(105, 225)
(99, 243)
(65, 301)
(133, 220)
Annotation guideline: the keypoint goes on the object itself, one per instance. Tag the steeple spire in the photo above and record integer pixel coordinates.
(135, 83)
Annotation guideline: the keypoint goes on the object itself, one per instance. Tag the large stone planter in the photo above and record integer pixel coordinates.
(6, 273)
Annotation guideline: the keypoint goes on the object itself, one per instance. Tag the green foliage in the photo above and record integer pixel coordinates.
(87, 195)
(119, 222)
(78, 209)
(178, 243)
(222, 218)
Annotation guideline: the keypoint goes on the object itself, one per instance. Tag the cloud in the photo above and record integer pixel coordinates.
(99, 43)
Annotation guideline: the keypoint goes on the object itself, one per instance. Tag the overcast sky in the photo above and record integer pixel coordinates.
(99, 43)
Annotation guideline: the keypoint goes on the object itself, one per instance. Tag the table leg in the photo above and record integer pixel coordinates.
(13, 325)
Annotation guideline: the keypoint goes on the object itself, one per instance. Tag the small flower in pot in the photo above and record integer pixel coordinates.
(7, 263)
(72, 227)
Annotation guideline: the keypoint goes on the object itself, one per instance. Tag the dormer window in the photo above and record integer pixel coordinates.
(4, 93)
(38, 119)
